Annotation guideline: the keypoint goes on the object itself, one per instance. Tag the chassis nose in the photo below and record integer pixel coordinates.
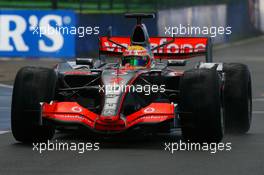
(109, 119)
(113, 123)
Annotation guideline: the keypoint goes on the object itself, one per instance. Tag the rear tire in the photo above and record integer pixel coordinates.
(32, 86)
(200, 106)
(237, 97)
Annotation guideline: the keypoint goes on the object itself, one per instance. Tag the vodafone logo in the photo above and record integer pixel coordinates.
(76, 109)
(149, 110)
(180, 45)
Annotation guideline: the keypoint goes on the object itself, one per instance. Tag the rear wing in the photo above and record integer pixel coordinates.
(162, 47)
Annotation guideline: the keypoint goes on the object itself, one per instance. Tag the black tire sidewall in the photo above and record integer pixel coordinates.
(32, 86)
(237, 96)
(200, 96)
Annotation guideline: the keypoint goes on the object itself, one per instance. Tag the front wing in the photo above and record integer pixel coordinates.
(72, 112)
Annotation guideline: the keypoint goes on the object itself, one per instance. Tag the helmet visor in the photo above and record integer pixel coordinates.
(135, 60)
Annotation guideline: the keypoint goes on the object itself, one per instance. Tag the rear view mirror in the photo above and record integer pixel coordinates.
(84, 61)
(176, 62)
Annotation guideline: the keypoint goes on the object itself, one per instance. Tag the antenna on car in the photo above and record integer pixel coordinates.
(139, 16)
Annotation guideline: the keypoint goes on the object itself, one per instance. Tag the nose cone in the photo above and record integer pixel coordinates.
(110, 123)
(115, 87)
(109, 119)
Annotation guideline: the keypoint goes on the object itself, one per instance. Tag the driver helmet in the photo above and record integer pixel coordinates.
(136, 56)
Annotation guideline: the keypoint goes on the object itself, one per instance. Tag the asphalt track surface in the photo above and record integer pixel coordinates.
(146, 155)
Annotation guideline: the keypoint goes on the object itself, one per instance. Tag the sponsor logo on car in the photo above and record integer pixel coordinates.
(149, 110)
(76, 109)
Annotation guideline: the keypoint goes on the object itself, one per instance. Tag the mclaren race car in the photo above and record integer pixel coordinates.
(143, 90)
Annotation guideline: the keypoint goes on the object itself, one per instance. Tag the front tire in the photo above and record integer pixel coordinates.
(32, 86)
(200, 106)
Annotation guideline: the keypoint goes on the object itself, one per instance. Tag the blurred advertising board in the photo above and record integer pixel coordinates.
(37, 33)
(256, 13)
(198, 17)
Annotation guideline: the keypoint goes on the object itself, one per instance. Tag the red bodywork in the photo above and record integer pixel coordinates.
(178, 48)
(74, 113)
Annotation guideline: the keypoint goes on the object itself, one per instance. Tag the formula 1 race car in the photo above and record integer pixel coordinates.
(143, 90)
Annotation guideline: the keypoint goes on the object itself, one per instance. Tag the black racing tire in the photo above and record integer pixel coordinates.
(32, 86)
(237, 97)
(200, 106)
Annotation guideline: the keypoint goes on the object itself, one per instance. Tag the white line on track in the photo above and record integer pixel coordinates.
(6, 86)
(3, 132)
(258, 99)
(4, 108)
(258, 112)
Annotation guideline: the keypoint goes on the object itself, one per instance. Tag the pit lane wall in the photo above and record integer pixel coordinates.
(20, 29)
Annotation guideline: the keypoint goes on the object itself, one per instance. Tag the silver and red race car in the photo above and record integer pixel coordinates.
(143, 90)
